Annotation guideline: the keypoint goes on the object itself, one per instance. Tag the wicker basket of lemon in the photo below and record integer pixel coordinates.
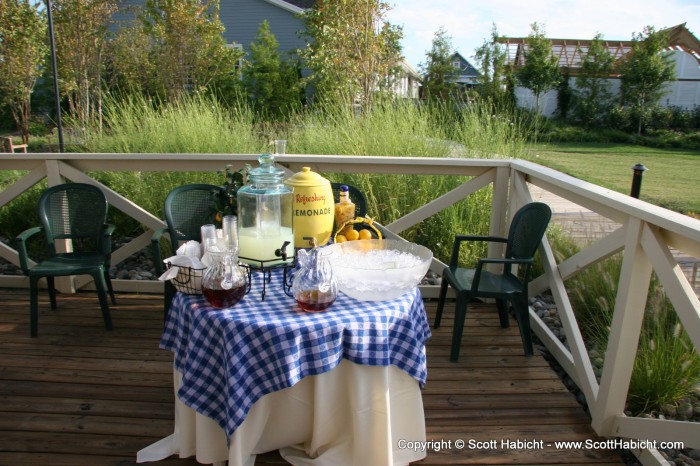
(359, 228)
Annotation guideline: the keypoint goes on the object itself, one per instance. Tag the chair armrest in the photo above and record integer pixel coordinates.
(21, 245)
(497, 239)
(490, 260)
(155, 249)
(459, 239)
(507, 262)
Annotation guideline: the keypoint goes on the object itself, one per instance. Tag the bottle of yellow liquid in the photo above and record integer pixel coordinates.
(344, 208)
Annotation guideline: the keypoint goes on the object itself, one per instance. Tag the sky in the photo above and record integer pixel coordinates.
(469, 22)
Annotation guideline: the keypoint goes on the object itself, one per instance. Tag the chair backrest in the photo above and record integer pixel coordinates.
(187, 208)
(356, 196)
(74, 211)
(527, 230)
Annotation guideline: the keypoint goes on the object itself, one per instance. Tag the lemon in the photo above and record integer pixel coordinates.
(340, 239)
(365, 234)
(352, 235)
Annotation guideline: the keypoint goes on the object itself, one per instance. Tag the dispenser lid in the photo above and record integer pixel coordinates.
(306, 178)
(266, 172)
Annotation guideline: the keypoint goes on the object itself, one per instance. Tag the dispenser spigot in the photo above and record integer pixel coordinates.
(282, 252)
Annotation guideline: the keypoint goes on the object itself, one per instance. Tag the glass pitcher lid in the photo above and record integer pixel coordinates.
(266, 173)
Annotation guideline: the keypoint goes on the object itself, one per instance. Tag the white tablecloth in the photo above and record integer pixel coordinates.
(353, 415)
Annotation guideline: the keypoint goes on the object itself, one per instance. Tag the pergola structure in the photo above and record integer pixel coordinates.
(571, 52)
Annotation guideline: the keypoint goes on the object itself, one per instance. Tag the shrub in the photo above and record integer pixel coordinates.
(200, 125)
(21, 213)
(667, 367)
(620, 118)
(661, 118)
(695, 117)
(192, 124)
(38, 127)
(579, 134)
(681, 119)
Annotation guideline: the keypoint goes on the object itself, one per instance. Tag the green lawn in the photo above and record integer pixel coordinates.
(672, 179)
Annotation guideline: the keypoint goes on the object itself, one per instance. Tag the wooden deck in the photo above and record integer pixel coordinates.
(78, 395)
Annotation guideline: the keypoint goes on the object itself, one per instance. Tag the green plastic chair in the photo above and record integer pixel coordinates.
(75, 212)
(186, 209)
(524, 237)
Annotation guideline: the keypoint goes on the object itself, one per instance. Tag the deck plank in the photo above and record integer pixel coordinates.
(78, 395)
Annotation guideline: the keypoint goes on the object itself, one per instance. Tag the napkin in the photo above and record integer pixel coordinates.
(187, 255)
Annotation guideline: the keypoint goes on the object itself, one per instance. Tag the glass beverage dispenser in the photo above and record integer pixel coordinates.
(265, 233)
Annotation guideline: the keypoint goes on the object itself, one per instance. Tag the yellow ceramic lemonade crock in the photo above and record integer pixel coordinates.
(313, 207)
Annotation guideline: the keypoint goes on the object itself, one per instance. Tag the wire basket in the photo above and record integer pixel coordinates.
(188, 280)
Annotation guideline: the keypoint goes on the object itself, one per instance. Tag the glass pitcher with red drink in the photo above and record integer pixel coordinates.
(314, 286)
(224, 282)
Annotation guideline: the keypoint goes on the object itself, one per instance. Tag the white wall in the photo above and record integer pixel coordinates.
(685, 92)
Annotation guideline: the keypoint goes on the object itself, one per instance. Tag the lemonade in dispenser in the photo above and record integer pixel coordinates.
(265, 220)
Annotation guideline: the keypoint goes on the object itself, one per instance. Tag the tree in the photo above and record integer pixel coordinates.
(273, 85)
(130, 61)
(564, 96)
(491, 57)
(353, 51)
(540, 73)
(592, 82)
(81, 35)
(644, 72)
(439, 76)
(22, 54)
(176, 47)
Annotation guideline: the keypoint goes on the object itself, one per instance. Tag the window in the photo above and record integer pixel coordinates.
(239, 66)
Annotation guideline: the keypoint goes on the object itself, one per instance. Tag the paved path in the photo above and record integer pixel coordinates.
(580, 223)
(585, 226)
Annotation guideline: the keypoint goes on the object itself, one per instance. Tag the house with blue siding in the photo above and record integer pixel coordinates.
(468, 75)
(242, 18)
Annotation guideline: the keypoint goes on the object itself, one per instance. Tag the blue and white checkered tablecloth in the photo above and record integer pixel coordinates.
(229, 358)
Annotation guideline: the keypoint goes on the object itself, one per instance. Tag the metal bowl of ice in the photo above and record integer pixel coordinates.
(378, 269)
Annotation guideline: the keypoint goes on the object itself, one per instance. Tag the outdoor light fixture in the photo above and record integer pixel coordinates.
(639, 170)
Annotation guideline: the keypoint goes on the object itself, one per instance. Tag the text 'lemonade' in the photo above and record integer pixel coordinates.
(313, 207)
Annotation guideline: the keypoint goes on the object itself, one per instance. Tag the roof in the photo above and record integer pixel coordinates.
(301, 3)
(467, 66)
(572, 51)
(468, 74)
(295, 6)
(409, 70)
(680, 38)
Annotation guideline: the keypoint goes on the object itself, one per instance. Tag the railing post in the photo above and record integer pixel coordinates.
(625, 328)
(499, 212)
(639, 170)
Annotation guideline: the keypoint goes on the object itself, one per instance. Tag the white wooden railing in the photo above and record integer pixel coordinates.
(646, 236)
